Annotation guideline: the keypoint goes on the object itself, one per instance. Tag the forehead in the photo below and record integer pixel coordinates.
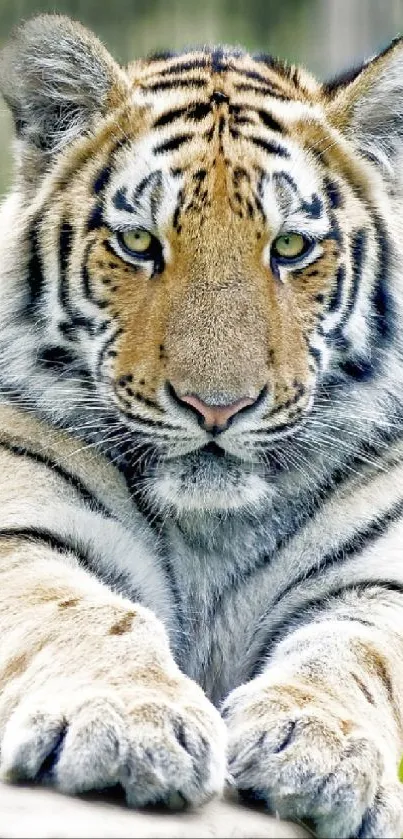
(215, 124)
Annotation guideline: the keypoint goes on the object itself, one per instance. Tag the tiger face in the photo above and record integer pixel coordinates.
(208, 241)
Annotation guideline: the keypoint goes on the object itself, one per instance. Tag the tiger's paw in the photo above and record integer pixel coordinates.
(307, 761)
(161, 746)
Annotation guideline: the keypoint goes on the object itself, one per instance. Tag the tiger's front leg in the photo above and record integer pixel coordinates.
(318, 735)
(90, 695)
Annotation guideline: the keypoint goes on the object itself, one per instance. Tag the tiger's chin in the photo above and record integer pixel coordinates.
(204, 482)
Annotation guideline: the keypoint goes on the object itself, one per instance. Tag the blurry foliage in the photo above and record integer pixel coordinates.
(324, 35)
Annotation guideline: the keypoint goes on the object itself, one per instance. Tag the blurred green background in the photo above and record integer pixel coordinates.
(324, 35)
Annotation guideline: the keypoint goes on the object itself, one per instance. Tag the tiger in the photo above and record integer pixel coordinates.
(201, 421)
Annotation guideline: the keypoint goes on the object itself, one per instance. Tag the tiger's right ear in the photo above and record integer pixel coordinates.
(57, 78)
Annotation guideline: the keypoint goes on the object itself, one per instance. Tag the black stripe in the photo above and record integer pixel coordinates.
(253, 74)
(382, 302)
(313, 208)
(82, 490)
(323, 603)
(358, 244)
(169, 116)
(172, 144)
(102, 180)
(271, 148)
(333, 194)
(95, 219)
(51, 540)
(199, 111)
(86, 281)
(315, 354)
(55, 357)
(337, 293)
(106, 351)
(185, 66)
(35, 278)
(120, 201)
(341, 556)
(269, 121)
(142, 186)
(65, 243)
(75, 320)
(263, 91)
(173, 83)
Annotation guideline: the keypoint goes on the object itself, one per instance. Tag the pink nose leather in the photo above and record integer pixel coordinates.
(216, 416)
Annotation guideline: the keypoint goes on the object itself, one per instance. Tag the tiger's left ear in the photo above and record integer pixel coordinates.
(366, 104)
(58, 79)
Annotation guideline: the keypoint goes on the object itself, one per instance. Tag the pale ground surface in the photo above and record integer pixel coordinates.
(27, 813)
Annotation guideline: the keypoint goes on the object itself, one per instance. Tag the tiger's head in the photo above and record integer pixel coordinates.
(204, 245)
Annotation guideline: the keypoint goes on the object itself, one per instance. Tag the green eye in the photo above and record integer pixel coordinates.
(289, 246)
(136, 241)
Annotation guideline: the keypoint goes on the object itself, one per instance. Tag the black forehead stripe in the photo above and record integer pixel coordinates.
(269, 147)
(198, 111)
(199, 63)
(269, 121)
(195, 111)
(167, 84)
(120, 201)
(170, 116)
(35, 278)
(248, 87)
(172, 144)
(102, 180)
(255, 76)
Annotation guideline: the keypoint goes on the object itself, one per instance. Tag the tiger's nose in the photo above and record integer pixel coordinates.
(214, 418)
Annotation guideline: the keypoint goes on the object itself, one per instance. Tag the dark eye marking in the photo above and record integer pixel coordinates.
(314, 207)
(120, 201)
(173, 144)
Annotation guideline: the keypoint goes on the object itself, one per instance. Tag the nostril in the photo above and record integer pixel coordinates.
(215, 418)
